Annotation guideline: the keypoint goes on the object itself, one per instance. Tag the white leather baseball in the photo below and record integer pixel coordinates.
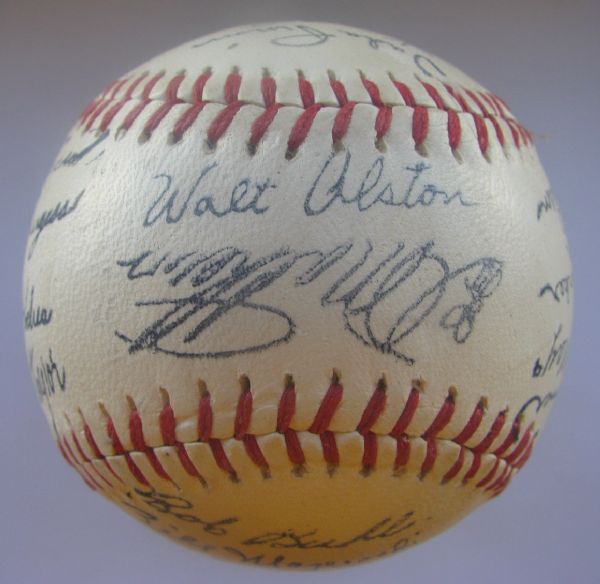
(297, 295)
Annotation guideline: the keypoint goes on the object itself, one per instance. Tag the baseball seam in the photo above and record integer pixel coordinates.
(487, 111)
(510, 454)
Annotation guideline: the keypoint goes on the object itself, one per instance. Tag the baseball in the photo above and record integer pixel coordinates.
(297, 295)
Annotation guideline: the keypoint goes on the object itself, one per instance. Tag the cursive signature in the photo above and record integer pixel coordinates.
(75, 157)
(298, 36)
(547, 204)
(49, 376)
(383, 299)
(288, 35)
(562, 289)
(175, 507)
(555, 358)
(51, 216)
(537, 403)
(172, 202)
(308, 540)
(375, 188)
(36, 316)
(375, 42)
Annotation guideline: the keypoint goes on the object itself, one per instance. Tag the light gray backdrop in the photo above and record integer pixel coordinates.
(540, 55)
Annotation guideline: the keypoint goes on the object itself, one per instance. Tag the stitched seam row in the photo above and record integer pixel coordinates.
(102, 111)
(514, 450)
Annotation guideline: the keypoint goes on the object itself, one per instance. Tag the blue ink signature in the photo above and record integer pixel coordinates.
(375, 188)
(224, 283)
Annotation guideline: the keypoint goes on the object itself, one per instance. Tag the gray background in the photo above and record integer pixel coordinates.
(541, 56)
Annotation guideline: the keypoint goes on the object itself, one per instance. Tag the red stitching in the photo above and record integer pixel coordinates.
(489, 476)
(115, 109)
(242, 423)
(103, 104)
(85, 458)
(519, 463)
(287, 406)
(294, 449)
(144, 101)
(473, 424)
(453, 124)
(482, 140)
(339, 90)
(430, 456)
(330, 450)
(510, 439)
(118, 94)
(420, 125)
(166, 423)
(510, 455)
(455, 468)
(407, 413)
(383, 121)
(243, 414)
(402, 451)
(137, 439)
(330, 402)
(68, 455)
(304, 122)
(223, 119)
(341, 123)
(443, 417)
(119, 450)
(495, 430)
(490, 102)
(505, 114)
(205, 416)
(480, 127)
(420, 120)
(221, 459)
(189, 116)
(95, 103)
(255, 454)
(487, 115)
(136, 433)
(370, 451)
(373, 410)
(167, 431)
(263, 121)
(95, 450)
(475, 465)
(406, 93)
(170, 101)
(500, 480)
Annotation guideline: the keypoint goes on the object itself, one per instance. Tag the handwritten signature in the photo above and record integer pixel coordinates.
(375, 188)
(51, 216)
(290, 538)
(555, 358)
(36, 316)
(537, 403)
(175, 507)
(49, 376)
(562, 289)
(294, 35)
(547, 204)
(172, 203)
(73, 158)
(382, 301)
(304, 35)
